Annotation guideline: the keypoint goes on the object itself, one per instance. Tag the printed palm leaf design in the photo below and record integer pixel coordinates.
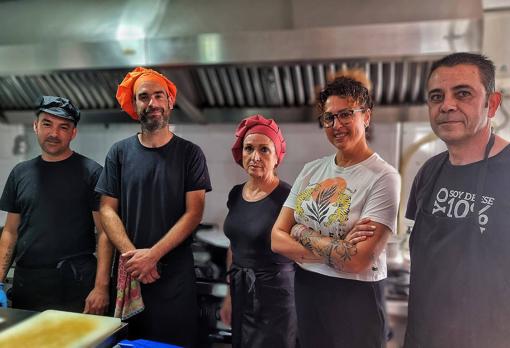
(319, 207)
(342, 208)
(303, 196)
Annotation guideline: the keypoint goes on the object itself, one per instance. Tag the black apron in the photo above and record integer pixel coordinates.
(263, 313)
(460, 291)
(62, 287)
(171, 307)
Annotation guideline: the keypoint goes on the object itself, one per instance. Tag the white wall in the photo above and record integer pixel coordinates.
(7, 157)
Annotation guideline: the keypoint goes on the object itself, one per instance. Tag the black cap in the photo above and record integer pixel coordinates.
(60, 107)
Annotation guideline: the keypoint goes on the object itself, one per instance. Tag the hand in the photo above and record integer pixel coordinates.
(297, 230)
(226, 310)
(361, 231)
(151, 277)
(3, 296)
(142, 265)
(97, 301)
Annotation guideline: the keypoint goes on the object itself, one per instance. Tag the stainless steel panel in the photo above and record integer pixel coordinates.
(247, 87)
(288, 86)
(384, 41)
(236, 86)
(272, 53)
(257, 86)
(300, 89)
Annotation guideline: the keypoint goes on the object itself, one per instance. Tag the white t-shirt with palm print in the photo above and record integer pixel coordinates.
(330, 199)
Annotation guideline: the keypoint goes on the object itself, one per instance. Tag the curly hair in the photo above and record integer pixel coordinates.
(349, 84)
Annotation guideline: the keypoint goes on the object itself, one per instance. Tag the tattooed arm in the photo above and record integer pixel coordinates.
(8, 242)
(352, 255)
(282, 243)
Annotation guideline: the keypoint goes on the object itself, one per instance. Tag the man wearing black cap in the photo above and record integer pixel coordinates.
(49, 230)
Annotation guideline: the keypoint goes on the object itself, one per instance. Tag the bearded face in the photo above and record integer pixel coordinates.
(152, 106)
(154, 118)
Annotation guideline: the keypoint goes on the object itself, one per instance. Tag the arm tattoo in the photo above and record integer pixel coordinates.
(7, 259)
(306, 239)
(342, 252)
(335, 251)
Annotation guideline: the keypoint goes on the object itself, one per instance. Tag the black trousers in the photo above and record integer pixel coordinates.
(62, 287)
(339, 313)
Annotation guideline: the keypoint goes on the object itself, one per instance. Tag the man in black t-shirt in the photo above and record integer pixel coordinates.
(460, 242)
(51, 212)
(153, 190)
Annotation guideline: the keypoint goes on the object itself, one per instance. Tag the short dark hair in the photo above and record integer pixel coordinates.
(346, 87)
(485, 67)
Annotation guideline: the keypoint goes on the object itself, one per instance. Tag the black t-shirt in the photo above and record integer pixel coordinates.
(455, 191)
(151, 185)
(248, 226)
(55, 201)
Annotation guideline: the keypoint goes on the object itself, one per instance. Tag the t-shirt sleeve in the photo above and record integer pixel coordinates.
(8, 199)
(95, 196)
(426, 173)
(109, 180)
(296, 188)
(197, 174)
(412, 204)
(230, 199)
(383, 200)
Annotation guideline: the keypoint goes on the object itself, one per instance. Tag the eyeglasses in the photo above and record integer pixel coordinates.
(345, 116)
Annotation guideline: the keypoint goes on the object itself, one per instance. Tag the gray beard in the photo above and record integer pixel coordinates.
(152, 125)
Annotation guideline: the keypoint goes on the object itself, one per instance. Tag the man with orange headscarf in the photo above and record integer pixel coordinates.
(153, 190)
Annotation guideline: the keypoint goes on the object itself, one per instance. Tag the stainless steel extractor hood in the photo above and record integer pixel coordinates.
(228, 58)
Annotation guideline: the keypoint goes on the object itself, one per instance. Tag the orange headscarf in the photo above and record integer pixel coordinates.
(132, 81)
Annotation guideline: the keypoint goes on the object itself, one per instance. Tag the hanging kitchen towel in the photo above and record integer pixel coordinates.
(129, 296)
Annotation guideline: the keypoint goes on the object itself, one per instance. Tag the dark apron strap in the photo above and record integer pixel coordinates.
(425, 193)
(481, 178)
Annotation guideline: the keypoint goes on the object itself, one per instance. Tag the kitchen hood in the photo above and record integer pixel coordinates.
(228, 58)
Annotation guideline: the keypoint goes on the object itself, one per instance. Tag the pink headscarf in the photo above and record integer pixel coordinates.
(260, 125)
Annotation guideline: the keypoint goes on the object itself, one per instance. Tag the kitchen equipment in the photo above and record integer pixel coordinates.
(59, 329)
(214, 237)
(209, 253)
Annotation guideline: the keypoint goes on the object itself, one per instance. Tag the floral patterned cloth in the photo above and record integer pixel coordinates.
(129, 300)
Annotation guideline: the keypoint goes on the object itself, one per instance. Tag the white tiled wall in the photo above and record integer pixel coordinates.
(7, 157)
(305, 142)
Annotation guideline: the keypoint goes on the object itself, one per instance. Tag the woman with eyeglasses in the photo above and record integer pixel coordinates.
(342, 208)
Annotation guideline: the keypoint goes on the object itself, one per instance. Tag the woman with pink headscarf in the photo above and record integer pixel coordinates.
(260, 306)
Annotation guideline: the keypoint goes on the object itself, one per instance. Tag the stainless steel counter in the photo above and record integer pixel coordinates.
(11, 316)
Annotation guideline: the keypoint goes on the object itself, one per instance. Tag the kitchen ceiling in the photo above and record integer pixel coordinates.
(228, 58)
